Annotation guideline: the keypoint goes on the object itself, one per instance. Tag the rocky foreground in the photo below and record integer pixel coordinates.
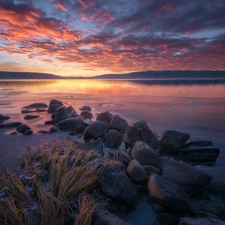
(131, 166)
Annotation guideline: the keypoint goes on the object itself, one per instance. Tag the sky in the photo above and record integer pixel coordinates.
(94, 37)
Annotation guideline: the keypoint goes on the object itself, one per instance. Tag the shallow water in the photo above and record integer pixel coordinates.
(196, 107)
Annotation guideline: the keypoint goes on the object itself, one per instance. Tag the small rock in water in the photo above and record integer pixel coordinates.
(3, 118)
(85, 107)
(86, 114)
(12, 124)
(30, 117)
(36, 105)
(50, 122)
(13, 133)
(24, 129)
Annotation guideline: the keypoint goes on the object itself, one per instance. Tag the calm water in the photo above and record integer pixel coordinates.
(196, 107)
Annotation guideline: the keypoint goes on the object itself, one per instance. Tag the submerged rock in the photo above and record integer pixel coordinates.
(30, 117)
(3, 118)
(171, 141)
(168, 194)
(36, 105)
(31, 111)
(193, 180)
(24, 129)
(12, 124)
(199, 152)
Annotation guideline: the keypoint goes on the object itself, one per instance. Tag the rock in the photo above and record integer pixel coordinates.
(30, 117)
(102, 217)
(113, 139)
(114, 166)
(168, 219)
(53, 129)
(3, 118)
(31, 111)
(24, 129)
(193, 180)
(71, 110)
(200, 152)
(36, 105)
(200, 221)
(53, 105)
(86, 114)
(151, 170)
(168, 194)
(79, 129)
(212, 208)
(61, 113)
(118, 123)
(105, 117)
(12, 124)
(136, 172)
(217, 187)
(171, 141)
(87, 122)
(95, 130)
(50, 122)
(85, 107)
(69, 124)
(124, 157)
(13, 133)
(43, 132)
(144, 154)
(140, 132)
(96, 145)
(118, 186)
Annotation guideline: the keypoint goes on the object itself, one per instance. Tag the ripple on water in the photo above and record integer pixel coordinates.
(107, 105)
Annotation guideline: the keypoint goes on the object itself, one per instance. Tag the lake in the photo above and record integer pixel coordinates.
(193, 106)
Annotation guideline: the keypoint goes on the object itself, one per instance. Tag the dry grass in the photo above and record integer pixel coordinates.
(87, 208)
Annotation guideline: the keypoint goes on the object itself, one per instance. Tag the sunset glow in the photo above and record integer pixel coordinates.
(93, 37)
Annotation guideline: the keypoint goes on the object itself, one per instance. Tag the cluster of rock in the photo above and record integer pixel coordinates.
(149, 165)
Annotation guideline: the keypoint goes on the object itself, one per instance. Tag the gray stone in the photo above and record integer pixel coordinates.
(71, 110)
(53, 129)
(140, 132)
(171, 141)
(118, 123)
(144, 154)
(23, 129)
(200, 152)
(151, 170)
(12, 124)
(105, 117)
(168, 194)
(217, 187)
(113, 139)
(119, 187)
(200, 221)
(36, 105)
(79, 129)
(85, 107)
(30, 117)
(95, 130)
(69, 124)
(61, 113)
(86, 114)
(124, 157)
(136, 172)
(192, 179)
(102, 217)
(53, 105)
(96, 145)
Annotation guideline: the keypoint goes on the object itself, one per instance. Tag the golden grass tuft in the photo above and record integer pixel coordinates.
(87, 208)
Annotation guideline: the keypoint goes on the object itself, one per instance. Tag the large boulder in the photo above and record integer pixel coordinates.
(69, 124)
(192, 179)
(171, 141)
(140, 132)
(118, 123)
(53, 105)
(103, 217)
(199, 152)
(105, 117)
(36, 105)
(61, 113)
(136, 172)
(71, 110)
(168, 194)
(24, 129)
(119, 187)
(144, 154)
(95, 130)
(113, 139)
(200, 221)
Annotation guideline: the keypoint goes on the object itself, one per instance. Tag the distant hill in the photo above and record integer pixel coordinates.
(166, 74)
(27, 75)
